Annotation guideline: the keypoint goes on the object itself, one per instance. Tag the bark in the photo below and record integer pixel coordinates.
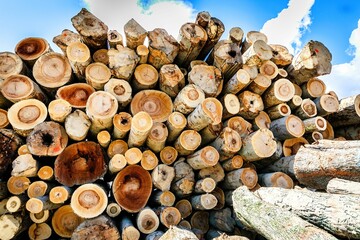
(143, 52)
(348, 112)
(210, 133)
(157, 137)
(9, 144)
(215, 172)
(276, 179)
(122, 62)
(175, 123)
(128, 231)
(342, 186)
(236, 35)
(188, 99)
(222, 220)
(205, 201)
(101, 56)
(292, 145)
(259, 84)
(122, 125)
(251, 37)
(135, 34)
(282, 90)
(114, 38)
(171, 79)
(240, 80)
(141, 125)
(326, 104)
(313, 88)
(315, 124)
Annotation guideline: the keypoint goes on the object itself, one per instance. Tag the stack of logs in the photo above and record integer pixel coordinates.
(109, 140)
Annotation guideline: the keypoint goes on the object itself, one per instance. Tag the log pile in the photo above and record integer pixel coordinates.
(115, 139)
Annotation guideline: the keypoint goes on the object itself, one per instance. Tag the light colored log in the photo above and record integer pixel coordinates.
(342, 186)
(145, 77)
(251, 37)
(141, 125)
(214, 29)
(281, 55)
(114, 38)
(203, 18)
(348, 112)
(228, 143)
(275, 179)
(64, 221)
(282, 90)
(38, 189)
(36, 205)
(65, 38)
(233, 163)
(4, 121)
(239, 81)
(175, 124)
(171, 79)
(31, 48)
(16, 203)
(314, 137)
(122, 124)
(236, 35)
(203, 158)
(76, 94)
(252, 70)
(169, 216)
(231, 105)
(46, 173)
(77, 125)
(97, 75)
(23, 149)
(149, 160)
(208, 78)
(183, 170)
(59, 109)
(298, 90)
(188, 99)
(240, 177)
(295, 102)
(205, 201)
(326, 104)
(168, 155)
(117, 147)
(113, 209)
(122, 62)
(210, 133)
(175, 233)
(315, 124)
(260, 83)
(250, 104)
(292, 145)
(133, 156)
(269, 69)
(147, 221)
(12, 225)
(143, 52)
(240, 125)
(103, 138)
(313, 88)
(216, 172)
(24, 166)
(183, 187)
(101, 56)
(163, 198)
(258, 52)
(135, 34)
(205, 185)
(162, 176)
(287, 127)
(328, 133)
(18, 185)
(282, 73)
(121, 90)
(40, 217)
(307, 109)
(278, 111)
(11, 64)
(193, 63)
(60, 194)
(187, 142)
(117, 163)
(79, 57)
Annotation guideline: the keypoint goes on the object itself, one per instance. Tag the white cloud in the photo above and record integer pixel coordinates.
(169, 15)
(290, 24)
(345, 78)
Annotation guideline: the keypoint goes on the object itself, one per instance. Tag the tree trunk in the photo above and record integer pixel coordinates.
(103, 138)
(216, 172)
(149, 160)
(208, 78)
(30, 49)
(16, 203)
(184, 207)
(135, 34)
(295, 102)
(141, 125)
(348, 112)
(60, 194)
(259, 84)
(251, 37)
(59, 109)
(79, 57)
(258, 52)
(4, 121)
(39, 231)
(205, 185)
(128, 231)
(236, 35)
(282, 90)
(240, 177)
(222, 220)
(18, 185)
(287, 127)
(41, 217)
(64, 221)
(187, 142)
(237, 82)
(147, 221)
(250, 104)
(205, 201)
(314, 124)
(342, 186)
(97, 75)
(77, 125)
(145, 77)
(36, 205)
(65, 39)
(313, 88)
(113, 209)
(46, 173)
(162, 176)
(269, 69)
(175, 123)
(233, 163)
(228, 143)
(133, 156)
(210, 133)
(163, 198)
(38, 189)
(203, 158)
(188, 99)
(326, 104)
(76, 94)
(11, 225)
(171, 79)
(9, 144)
(157, 137)
(122, 62)
(117, 147)
(114, 38)
(122, 124)
(281, 55)
(11, 64)
(143, 52)
(276, 179)
(278, 111)
(121, 90)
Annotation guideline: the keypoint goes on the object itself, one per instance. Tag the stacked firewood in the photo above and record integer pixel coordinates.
(116, 139)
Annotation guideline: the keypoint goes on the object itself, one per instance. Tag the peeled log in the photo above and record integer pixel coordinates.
(325, 210)
(315, 165)
(171, 79)
(277, 224)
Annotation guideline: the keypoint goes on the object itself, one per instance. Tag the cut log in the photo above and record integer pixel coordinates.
(314, 137)
(240, 177)
(39, 231)
(326, 104)
(183, 170)
(133, 156)
(163, 48)
(315, 171)
(46, 173)
(23, 150)
(328, 133)
(11, 64)
(203, 158)
(101, 107)
(220, 196)
(321, 209)
(64, 221)
(149, 160)
(228, 143)
(307, 109)
(281, 55)
(175, 123)
(175, 233)
(4, 121)
(214, 29)
(141, 125)
(205, 201)
(210, 133)
(287, 127)
(26, 114)
(280, 224)
(157, 137)
(65, 38)
(47, 139)
(276, 179)
(312, 61)
(121, 90)
(30, 49)
(122, 124)
(240, 125)
(132, 188)
(251, 70)
(185, 224)
(16, 203)
(168, 155)
(269, 69)
(145, 77)
(282, 73)
(169, 216)
(117, 163)
(135, 34)
(38, 189)
(205, 185)
(250, 104)
(259, 84)
(18, 185)
(280, 91)
(295, 102)
(200, 221)
(79, 57)
(313, 88)
(24, 166)
(231, 105)
(251, 37)
(239, 81)
(236, 35)
(233, 163)
(183, 187)
(348, 112)
(184, 207)
(188, 99)
(187, 142)
(117, 147)
(258, 145)
(113, 209)
(80, 163)
(278, 111)
(101, 56)
(40, 217)
(103, 138)
(36, 205)
(128, 231)
(97, 75)
(163, 198)
(216, 172)
(222, 220)
(92, 30)
(76, 94)
(258, 52)
(147, 221)
(171, 79)
(292, 145)
(298, 90)
(143, 52)
(154, 235)
(77, 125)
(100, 227)
(342, 186)
(193, 63)
(208, 78)
(203, 18)
(122, 62)
(114, 38)
(59, 109)
(156, 103)
(60, 194)
(162, 176)
(192, 38)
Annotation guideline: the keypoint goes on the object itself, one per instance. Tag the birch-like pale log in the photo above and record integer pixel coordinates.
(203, 158)
(228, 143)
(171, 79)
(101, 56)
(251, 104)
(11, 64)
(143, 52)
(307, 109)
(237, 82)
(157, 137)
(59, 109)
(175, 124)
(141, 125)
(61, 219)
(135, 34)
(77, 125)
(79, 57)
(114, 38)
(97, 75)
(188, 99)
(122, 125)
(208, 78)
(313, 88)
(240, 177)
(258, 52)
(348, 112)
(187, 142)
(326, 104)
(251, 37)
(145, 77)
(259, 84)
(121, 90)
(122, 62)
(287, 127)
(269, 69)
(278, 111)
(342, 186)
(282, 90)
(65, 38)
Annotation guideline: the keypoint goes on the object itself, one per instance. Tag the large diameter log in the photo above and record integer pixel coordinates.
(121, 90)
(80, 163)
(228, 143)
(17, 185)
(76, 94)
(11, 64)
(135, 34)
(250, 104)
(26, 114)
(315, 165)
(79, 57)
(258, 52)
(208, 78)
(348, 112)
(171, 79)
(240, 177)
(145, 77)
(280, 224)
(321, 209)
(314, 60)
(163, 48)
(65, 38)
(342, 186)
(93, 31)
(237, 82)
(122, 62)
(282, 90)
(12, 225)
(258, 145)
(236, 35)
(287, 127)
(281, 55)
(141, 125)
(59, 109)
(64, 221)
(132, 188)
(9, 144)
(188, 98)
(31, 48)
(77, 125)
(326, 104)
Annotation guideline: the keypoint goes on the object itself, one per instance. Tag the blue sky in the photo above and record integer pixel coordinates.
(291, 23)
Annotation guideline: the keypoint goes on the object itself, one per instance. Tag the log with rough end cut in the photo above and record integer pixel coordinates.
(141, 125)
(101, 56)
(128, 231)
(38, 189)
(281, 55)
(16, 203)
(251, 37)
(169, 216)
(59, 109)
(17, 185)
(121, 90)
(342, 186)
(278, 111)
(313, 88)
(143, 52)
(183, 187)
(205, 185)
(326, 104)
(147, 221)
(145, 77)
(183, 170)
(11, 64)
(114, 38)
(275, 179)
(157, 137)
(259, 84)
(231, 105)
(135, 34)
(348, 112)
(292, 145)
(250, 104)
(287, 127)
(295, 102)
(122, 62)
(76, 94)
(79, 57)
(258, 52)
(171, 79)
(208, 78)
(64, 221)
(31, 48)
(60, 194)
(262, 120)
(133, 156)
(39, 231)
(282, 90)
(162, 176)
(236, 35)
(188, 99)
(163, 198)
(214, 29)
(97, 75)
(210, 133)
(122, 124)
(175, 123)
(168, 155)
(240, 177)
(236, 83)
(175, 233)
(77, 125)
(203, 158)
(228, 143)
(203, 18)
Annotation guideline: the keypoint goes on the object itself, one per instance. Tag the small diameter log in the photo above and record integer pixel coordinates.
(24, 166)
(215, 172)
(175, 123)
(149, 160)
(281, 56)
(184, 224)
(145, 77)
(157, 137)
(30, 49)
(101, 108)
(250, 104)
(101, 227)
(89, 200)
(26, 114)
(132, 188)
(36, 205)
(80, 163)
(18, 185)
(278, 111)
(208, 78)
(203, 18)
(141, 125)
(222, 220)
(46, 173)
(240, 177)
(79, 57)
(326, 104)
(328, 133)
(342, 186)
(287, 127)
(312, 61)
(169, 216)
(208, 112)
(59, 109)
(214, 29)
(236, 83)
(39, 231)
(11, 64)
(156, 103)
(240, 125)
(184, 207)
(171, 79)
(251, 37)
(122, 124)
(117, 147)
(261, 121)
(251, 70)
(187, 142)
(258, 52)
(188, 99)
(348, 112)
(314, 137)
(192, 38)
(259, 84)
(210, 133)
(295, 102)
(65, 38)
(77, 125)
(64, 221)
(231, 105)
(4, 121)
(101, 56)
(183, 187)
(60, 194)
(220, 196)
(200, 222)
(163, 48)
(114, 38)
(280, 224)
(203, 158)
(38, 189)
(206, 185)
(133, 156)
(183, 170)
(307, 109)
(298, 90)
(47, 139)
(228, 143)
(135, 34)
(92, 30)
(163, 198)
(128, 231)
(40, 217)
(168, 155)
(280, 91)
(16, 203)
(203, 202)
(76, 94)
(313, 88)
(162, 176)
(269, 69)
(315, 172)
(233, 163)
(103, 138)
(113, 209)
(292, 145)
(143, 52)
(122, 62)
(275, 179)
(236, 35)
(97, 75)
(19, 87)
(147, 221)
(23, 150)
(121, 90)
(315, 124)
